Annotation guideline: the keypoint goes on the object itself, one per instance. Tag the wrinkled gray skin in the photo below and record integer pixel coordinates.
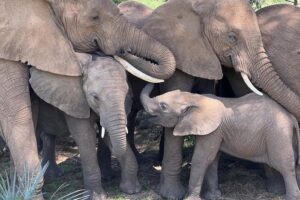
(64, 23)
(283, 51)
(44, 34)
(251, 127)
(212, 33)
(103, 87)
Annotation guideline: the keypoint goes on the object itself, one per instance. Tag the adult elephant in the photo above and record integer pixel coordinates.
(43, 33)
(280, 29)
(203, 35)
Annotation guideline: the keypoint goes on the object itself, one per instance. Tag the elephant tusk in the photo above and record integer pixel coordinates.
(126, 130)
(102, 132)
(250, 85)
(132, 70)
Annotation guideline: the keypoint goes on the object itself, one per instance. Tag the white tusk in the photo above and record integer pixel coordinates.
(137, 72)
(250, 85)
(126, 130)
(102, 132)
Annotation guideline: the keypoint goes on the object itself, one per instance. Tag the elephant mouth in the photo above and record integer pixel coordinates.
(122, 52)
(130, 61)
(244, 76)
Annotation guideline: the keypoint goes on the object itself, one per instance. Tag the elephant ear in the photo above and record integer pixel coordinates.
(179, 28)
(31, 34)
(201, 119)
(63, 92)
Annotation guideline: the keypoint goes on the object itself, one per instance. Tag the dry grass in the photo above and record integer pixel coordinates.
(239, 180)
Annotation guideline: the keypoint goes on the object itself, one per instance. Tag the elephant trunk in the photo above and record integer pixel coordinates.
(148, 103)
(116, 125)
(146, 54)
(264, 76)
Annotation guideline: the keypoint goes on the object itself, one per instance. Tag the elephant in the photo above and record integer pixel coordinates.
(103, 88)
(44, 34)
(283, 51)
(211, 34)
(252, 127)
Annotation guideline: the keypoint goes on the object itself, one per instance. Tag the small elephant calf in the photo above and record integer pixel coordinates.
(251, 127)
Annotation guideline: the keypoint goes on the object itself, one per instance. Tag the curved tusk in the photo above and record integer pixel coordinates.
(250, 85)
(126, 130)
(102, 132)
(132, 70)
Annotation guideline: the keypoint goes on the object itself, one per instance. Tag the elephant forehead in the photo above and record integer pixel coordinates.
(173, 96)
(239, 11)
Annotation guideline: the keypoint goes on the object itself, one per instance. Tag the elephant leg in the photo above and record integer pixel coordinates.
(274, 182)
(16, 119)
(205, 154)
(49, 156)
(35, 115)
(161, 147)
(170, 184)
(130, 136)
(129, 169)
(211, 182)
(84, 134)
(129, 182)
(282, 158)
(291, 185)
(104, 160)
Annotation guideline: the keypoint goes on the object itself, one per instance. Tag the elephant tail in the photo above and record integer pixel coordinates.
(296, 128)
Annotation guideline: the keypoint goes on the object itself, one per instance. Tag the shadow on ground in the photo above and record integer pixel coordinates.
(239, 180)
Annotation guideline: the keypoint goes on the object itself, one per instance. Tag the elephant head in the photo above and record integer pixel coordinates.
(205, 34)
(190, 114)
(103, 87)
(43, 33)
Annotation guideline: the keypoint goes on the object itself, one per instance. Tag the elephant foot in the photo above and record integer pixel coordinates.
(171, 188)
(53, 171)
(293, 197)
(212, 195)
(130, 187)
(96, 196)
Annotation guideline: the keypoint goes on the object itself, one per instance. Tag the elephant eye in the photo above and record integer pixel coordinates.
(163, 106)
(95, 96)
(95, 18)
(186, 110)
(232, 37)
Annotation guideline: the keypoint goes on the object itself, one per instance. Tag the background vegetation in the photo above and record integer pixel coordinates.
(256, 3)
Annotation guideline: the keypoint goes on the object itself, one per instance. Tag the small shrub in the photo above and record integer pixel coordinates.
(27, 186)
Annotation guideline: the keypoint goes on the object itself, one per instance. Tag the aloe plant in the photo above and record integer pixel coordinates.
(26, 187)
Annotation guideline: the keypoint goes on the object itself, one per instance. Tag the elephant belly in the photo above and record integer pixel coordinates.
(249, 148)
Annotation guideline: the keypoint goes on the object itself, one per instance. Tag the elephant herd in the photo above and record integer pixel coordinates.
(62, 72)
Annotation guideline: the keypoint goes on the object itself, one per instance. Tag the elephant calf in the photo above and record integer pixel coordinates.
(251, 127)
(102, 88)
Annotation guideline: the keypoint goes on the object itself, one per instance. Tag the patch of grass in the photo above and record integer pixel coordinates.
(265, 3)
(152, 3)
(27, 186)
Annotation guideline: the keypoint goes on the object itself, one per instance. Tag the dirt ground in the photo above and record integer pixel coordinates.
(239, 180)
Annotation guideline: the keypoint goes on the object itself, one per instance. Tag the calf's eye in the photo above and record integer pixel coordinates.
(232, 37)
(95, 18)
(163, 106)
